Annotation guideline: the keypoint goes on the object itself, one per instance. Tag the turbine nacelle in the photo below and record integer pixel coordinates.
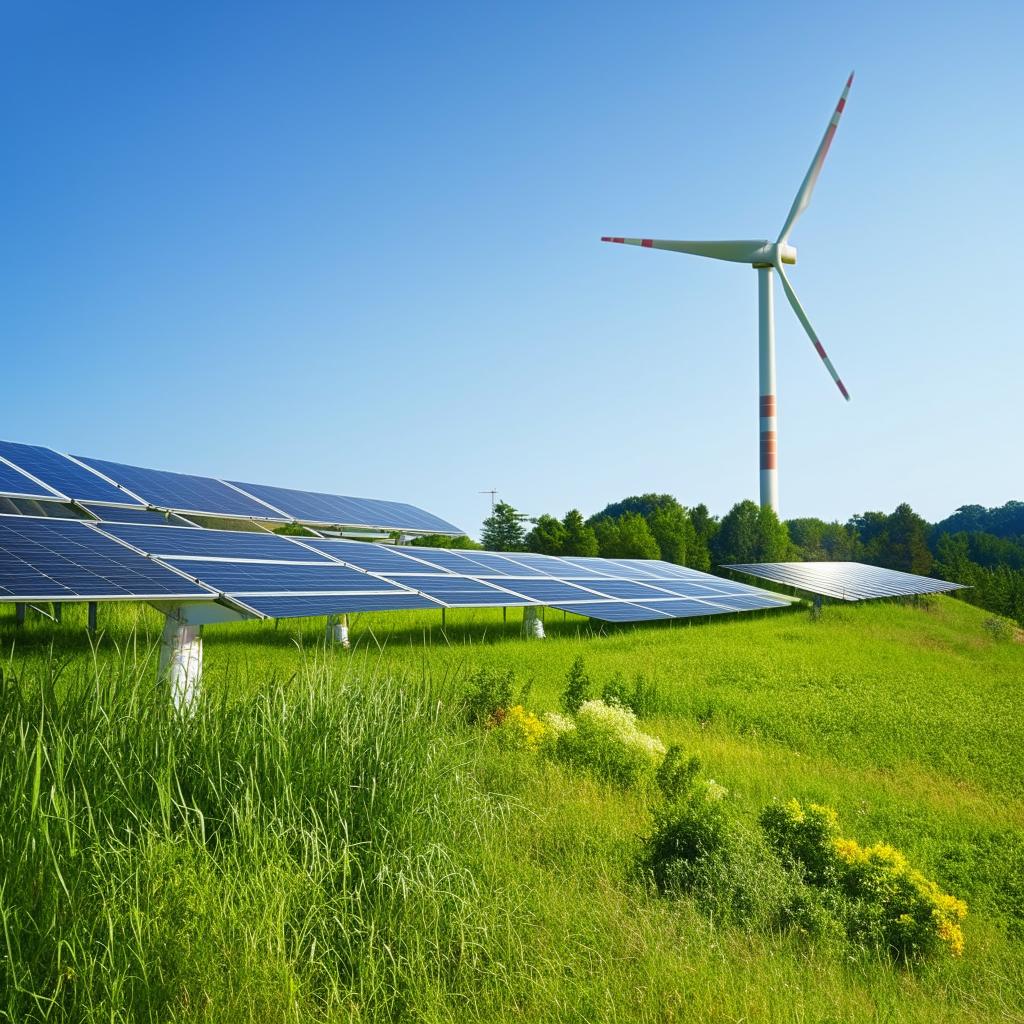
(756, 252)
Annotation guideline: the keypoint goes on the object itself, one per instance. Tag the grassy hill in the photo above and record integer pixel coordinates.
(325, 838)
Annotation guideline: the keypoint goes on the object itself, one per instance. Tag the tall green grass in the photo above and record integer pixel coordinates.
(324, 840)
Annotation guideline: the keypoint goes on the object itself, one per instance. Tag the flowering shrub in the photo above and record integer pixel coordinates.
(521, 729)
(881, 898)
(487, 697)
(605, 740)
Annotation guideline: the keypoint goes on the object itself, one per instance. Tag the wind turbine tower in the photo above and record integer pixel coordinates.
(768, 258)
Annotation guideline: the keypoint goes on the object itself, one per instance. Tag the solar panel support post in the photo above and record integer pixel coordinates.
(19, 613)
(92, 617)
(337, 631)
(58, 611)
(181, 661)
(181, 646)
(533, 624)
(816, 607)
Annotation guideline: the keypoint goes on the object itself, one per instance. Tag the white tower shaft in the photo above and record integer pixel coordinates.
(766, 372)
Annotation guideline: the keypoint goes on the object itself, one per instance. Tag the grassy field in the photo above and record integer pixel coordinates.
(325, 840)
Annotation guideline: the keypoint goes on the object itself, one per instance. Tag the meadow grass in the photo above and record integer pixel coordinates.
(324, 839)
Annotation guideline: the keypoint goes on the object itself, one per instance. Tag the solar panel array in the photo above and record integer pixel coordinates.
(846, 581)
(277, 576)
(35, 472)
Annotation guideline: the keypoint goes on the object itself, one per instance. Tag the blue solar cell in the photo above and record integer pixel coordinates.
(456, 561)
(496, 565)
(619, 588)
(13, 482)
(175, 541)
(547, 590)
(459, 591)
(342, 510)
(614, 611)
(560, 568)
(63, 474)
(372, 557)
(145, 516)
(62, 560)
(183, 491)
(679, 608)
(334, 604)
(688, 588)
(274, 578)
(605, 567)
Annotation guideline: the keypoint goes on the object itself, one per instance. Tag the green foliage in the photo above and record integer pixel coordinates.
(577, 687)
(626, 537)
(818, 541)
(605, 740)
(489, 693)
(294, 530)
(702, 848)
(1006, 521)
(880, 898)
(503, 529)
(641, 696)
(750, 533)
(547, 537)
(677, 775)
(580, 538)
(1001, 630)
(461, 542)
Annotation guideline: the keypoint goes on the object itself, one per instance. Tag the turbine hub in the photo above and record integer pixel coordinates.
(787, 253)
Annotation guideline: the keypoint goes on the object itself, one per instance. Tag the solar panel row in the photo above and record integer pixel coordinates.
(88, 480)
(846, 581)
(280, 576)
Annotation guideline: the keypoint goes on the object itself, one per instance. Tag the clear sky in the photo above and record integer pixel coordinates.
(356, 247)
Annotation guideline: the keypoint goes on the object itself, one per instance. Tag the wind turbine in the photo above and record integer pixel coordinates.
(765, 257)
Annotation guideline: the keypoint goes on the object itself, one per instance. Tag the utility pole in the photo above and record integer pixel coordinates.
(492, 492)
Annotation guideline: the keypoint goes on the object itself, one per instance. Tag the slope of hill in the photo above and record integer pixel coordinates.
(326, 839)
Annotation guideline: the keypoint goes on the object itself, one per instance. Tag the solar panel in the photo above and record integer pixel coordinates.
(184, 492)
(549, 591)
(40, 507)
(458, 591)
(845, 581)
(66, 560)
(62, 474)
(616, 611)
(16, 484)
(145, 516)
(341, 510)
(626, 590)
(444, 558)
(239, 578)
(194, 542)
(680, 608)
(383, 558)
(299, 606)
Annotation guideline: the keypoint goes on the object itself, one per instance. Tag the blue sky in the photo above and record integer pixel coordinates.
(355, 247)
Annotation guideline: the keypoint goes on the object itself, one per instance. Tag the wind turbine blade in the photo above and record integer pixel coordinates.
(802, 317)
(741, 251)
(803, 197)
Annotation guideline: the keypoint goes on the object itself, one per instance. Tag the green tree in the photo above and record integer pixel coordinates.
(503, 529)
(462, 542)
(750, 533)
(705, 526)
(901, 542)
(580, 538)
(629, 536)
(671, 527)
(547, 537)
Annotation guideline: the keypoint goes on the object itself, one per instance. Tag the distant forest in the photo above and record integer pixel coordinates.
(982, 548)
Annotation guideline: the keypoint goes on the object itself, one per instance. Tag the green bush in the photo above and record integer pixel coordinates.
(1001, 629)
(677, 774)
(488, 696)
(605, 740)
(702, 848)
(577, 687)
(882, 900)
(642, 697)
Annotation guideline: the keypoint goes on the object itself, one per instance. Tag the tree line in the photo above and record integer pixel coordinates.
(981, 548)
